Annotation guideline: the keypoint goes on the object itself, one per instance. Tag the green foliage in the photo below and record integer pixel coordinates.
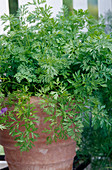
(20, 114)
(68, 58)
(97, 142)
(64, 114)
(2, 127)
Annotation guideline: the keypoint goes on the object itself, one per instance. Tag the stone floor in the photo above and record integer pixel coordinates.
(3, 164)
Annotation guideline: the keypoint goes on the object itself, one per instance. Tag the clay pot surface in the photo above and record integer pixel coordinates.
(55, 156)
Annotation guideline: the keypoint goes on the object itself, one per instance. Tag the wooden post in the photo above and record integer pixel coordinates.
(13, 6)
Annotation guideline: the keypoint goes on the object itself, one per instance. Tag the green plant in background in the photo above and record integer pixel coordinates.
(93, 8)
(1, 150)
(96, 140)
(68, 4)
(54, 58)
(13, 6)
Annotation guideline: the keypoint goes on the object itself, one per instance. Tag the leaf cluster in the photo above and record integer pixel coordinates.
(20, 119)
(68, 58)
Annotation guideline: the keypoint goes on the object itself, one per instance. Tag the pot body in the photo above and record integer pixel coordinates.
(55, 156)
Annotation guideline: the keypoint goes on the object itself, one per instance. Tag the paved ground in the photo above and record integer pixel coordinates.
(3, 164)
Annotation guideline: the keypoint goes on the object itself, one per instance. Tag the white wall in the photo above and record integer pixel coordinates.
(4, 8)
(80, 4)
(104, 6)
(56, 4)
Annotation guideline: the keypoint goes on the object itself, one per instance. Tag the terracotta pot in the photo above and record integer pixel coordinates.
(56, 156)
